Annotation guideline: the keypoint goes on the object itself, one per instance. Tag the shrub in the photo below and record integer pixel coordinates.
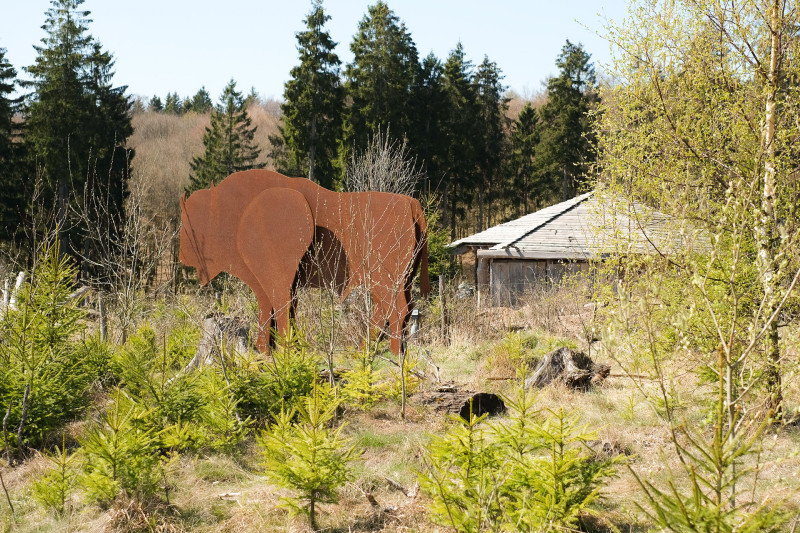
(186, 411)
(462, 476)
(303, 453)
(517, 352)
(121, 455)
(54, 488)
(531, 472)
(40, 353)
(264, 388)
(359, 388)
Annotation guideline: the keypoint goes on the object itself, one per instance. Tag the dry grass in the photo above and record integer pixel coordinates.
(229, 494)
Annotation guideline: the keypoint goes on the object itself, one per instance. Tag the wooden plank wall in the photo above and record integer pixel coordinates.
(510, 278)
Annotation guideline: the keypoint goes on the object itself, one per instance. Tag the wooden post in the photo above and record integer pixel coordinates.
(101, 310)
(443, 305)
(483, 279)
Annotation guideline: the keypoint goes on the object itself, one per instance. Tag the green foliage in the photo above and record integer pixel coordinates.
(302, 452)
(173, 104)
(563, 483)
(359, 387)
(379, 80)
(527, 473)
(429, 111)
(525, 177)
(40, 350)
(715, 463)
(490, 127)
(313, 103)
(121, 455)
(462, 475)
(55, 487)
(728, 192)
(459, 159)
(264, 388)
(517, 350)
(77, 125)
(441, 261)
(185, 410)
(156, 105)
(228, 142)
(566, 148)
(200, 102)
(14, 188)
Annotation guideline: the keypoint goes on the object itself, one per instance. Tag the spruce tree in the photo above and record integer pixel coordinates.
(458, 129)
(77, 124)
(201, 101)
(523, 170)
(429, 105)
(173, 104)
(379, 80)
(12, 187)
(156, 104)
(229, 145)
(566, 141)
(313, 103)
(111, 125)
(490, 134)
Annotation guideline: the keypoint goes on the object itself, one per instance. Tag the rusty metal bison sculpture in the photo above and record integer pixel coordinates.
(277, 233)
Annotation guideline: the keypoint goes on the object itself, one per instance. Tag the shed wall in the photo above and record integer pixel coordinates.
(511, 278)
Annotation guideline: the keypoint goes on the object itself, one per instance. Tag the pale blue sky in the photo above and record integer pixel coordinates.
(163, 46)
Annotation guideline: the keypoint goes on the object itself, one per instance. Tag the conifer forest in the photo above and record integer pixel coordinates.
(650, 383)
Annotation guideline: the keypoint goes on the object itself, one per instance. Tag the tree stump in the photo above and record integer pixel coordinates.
(217, 331)
(574, 369)
(453, 401)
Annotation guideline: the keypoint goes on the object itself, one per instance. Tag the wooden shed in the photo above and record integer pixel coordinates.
(544, 246)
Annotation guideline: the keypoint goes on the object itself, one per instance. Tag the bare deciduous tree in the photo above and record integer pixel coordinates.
(385, 166)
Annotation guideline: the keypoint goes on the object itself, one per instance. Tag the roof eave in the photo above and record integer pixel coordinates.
(514, 253)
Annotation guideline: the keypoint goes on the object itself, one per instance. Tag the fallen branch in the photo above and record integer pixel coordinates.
(426, 356)
(396, 486)
(8, 498)
(79, 293)
(637, 376)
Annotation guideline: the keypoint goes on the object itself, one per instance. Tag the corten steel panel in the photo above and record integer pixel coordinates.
(232, 230)
(338, 240)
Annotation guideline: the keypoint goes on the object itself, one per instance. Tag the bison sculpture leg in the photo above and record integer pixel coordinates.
(274, 233)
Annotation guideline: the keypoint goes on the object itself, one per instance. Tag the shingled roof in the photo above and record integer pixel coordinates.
(583, 227)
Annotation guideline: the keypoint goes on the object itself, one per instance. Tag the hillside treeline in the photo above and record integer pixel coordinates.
(68, 147)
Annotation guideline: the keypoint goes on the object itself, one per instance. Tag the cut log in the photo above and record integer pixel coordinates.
(451, 400)
(564, 365)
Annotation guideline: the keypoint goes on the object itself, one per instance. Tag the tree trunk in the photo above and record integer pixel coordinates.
(480, 209)
(453, 216)
(62, 200)
(403, 348)
(767, 235)
(312, 151)
(443, 305)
